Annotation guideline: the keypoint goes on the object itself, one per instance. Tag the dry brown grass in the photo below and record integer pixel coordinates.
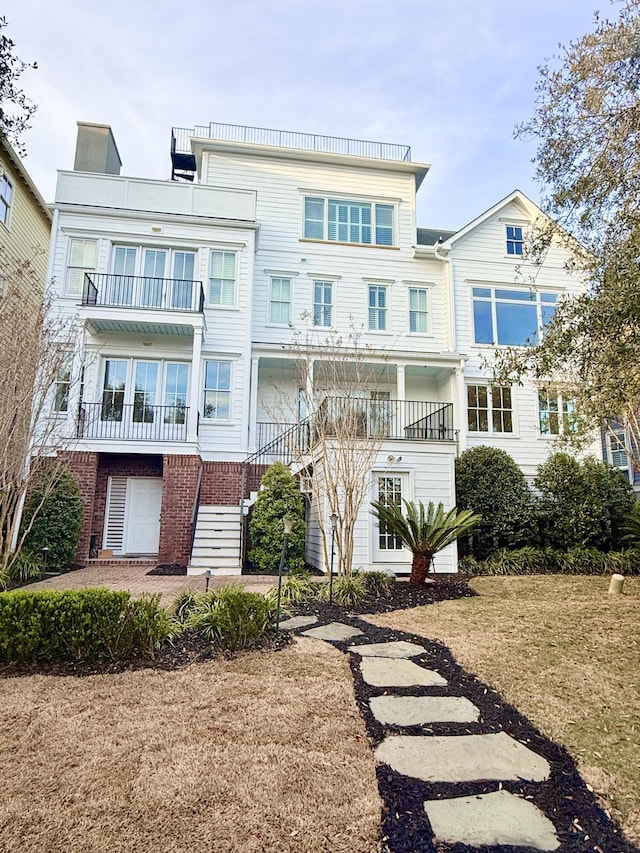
(266, 752)
(567, 655)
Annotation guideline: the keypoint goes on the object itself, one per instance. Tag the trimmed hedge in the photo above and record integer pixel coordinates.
(72, 625)
(547, 561)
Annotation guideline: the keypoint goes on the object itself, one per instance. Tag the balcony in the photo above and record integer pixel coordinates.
(351, 418)
(116, 421)
(129, 303)
(181, 136)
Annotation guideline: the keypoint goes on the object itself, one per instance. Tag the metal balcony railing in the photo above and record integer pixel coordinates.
(414, 420)
(181, 136)
(118, 421)
(353, 418)
(132, 291)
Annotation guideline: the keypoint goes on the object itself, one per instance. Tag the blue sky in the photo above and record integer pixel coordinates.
(449, 79)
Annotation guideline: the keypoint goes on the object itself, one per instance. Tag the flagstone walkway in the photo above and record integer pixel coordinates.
(456, 769)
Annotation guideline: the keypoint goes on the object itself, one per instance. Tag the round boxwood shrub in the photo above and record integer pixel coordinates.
(278, 497)
(490, 483)
(54, 512)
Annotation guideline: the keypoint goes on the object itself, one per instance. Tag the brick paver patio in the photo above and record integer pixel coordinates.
(134, 577)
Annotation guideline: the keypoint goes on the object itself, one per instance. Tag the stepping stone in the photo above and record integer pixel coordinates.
(298, 622)
(398, 649)
(499, 818)
(385, 672)
(417, 710)
(333, 632)
(462, 758)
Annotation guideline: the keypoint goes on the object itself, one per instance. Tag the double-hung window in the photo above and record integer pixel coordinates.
(556, 413)
(489, 409)
(62, 386)
(511, 317)
(82, 259)
(616, 447)
(348, 221)
(418, 310)
(222, 279)
(6, 198)
(515, 240)
(377, 307)
(217, 390)
(322, 303)
(280, 302)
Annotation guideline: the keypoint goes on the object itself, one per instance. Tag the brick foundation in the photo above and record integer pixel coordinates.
(180, 480)
(84, 467)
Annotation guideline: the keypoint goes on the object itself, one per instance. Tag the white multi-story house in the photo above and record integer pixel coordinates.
(214, 307)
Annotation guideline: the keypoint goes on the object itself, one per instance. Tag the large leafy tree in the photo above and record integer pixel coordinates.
(587, 125)
(15, 108)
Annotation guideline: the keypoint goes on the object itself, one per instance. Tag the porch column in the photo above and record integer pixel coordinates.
(309, 387)
(401, 395)
(253, 405)
(194, 387)
(459, 408)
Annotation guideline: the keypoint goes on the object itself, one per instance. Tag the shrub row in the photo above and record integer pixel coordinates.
(547, 561)
(71, 625)
(347, 591)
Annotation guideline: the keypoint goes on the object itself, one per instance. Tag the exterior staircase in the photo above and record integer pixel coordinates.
(216, 544)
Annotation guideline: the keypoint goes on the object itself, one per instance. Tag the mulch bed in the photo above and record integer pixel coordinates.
(581, 823)
(169, 569)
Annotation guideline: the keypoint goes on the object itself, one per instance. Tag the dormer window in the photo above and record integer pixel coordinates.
(515, 240)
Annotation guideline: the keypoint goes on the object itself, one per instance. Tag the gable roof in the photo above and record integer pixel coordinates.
(529, 208)
(31, 187)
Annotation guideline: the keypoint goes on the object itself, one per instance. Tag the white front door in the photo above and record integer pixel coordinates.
(390, 489)
(144, 502)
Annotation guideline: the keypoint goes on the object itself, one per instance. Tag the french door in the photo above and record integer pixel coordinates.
(389, 489)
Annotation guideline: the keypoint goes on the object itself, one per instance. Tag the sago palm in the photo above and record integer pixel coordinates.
(424, 532)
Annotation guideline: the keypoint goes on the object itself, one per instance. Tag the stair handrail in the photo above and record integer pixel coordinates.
(194, 510)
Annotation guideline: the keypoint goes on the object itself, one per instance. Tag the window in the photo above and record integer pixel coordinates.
(144, 393)
(515, 241)
(489, 409)
(616, 447)
(140, 401)
(62, 387)
(82, 259)
(222, 279)
(184, 264)
(113, 389)
(151, 278)
(418, 310)
(322, 303)
(342, 221)
(217, 390)
(280, 306)
(390, 494)
(511, 317)
(556, 414)
(6, 195)
(377, 307)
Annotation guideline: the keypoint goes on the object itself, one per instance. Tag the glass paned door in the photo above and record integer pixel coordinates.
(144, 394)
(389, 489)
(184, 264)
(175, 393)
(113, 390)
(153, 278)
(121, 283)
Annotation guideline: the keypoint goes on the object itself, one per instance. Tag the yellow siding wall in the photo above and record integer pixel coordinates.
(27, 234)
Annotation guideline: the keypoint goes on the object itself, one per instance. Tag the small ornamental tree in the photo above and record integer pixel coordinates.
(582, 504)
(490, 483)
(279, 496)
(424, 531)
(52, 519)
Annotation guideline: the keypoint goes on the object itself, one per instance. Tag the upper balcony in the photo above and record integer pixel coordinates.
(129, 303)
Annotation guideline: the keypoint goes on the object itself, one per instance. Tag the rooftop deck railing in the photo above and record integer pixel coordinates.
(181, 137)
(132, 291)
